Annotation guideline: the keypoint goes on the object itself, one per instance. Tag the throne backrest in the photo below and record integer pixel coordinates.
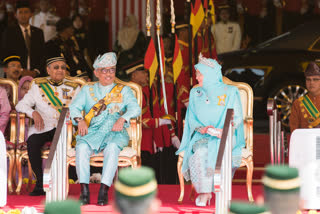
(134, 133)
(12, 89)
(246, 95)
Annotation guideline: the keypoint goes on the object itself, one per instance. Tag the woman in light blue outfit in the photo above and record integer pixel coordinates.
(207, 108)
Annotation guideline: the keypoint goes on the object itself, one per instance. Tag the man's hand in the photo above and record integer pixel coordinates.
(38, 121)
(118, 126)
(82, 128)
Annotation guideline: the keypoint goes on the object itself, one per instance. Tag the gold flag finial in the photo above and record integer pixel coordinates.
(158, 21)
(148, 19)
(173, 18)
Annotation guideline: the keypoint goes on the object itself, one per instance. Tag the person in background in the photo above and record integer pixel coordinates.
(12, 67)
(24, 86)
(130, 45)
(25, 41)
(300, 116)
(131, 196)
(5, 109)
(284, 199)
(227, 34)
(45, 20)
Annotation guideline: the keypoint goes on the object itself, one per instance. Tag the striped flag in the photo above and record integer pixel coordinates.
(151, 61)
(196, 17)
(177, 60)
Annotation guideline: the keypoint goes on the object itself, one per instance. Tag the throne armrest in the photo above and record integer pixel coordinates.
(249, 133)
(135, 135)
(22, 129)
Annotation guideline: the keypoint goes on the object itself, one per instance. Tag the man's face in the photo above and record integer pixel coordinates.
(106, 75)
(57, 70)
(224, 15)
(69, 31)
(23, 15)
(313, 84)
(141, 77)
(44, 6)
(13, 70)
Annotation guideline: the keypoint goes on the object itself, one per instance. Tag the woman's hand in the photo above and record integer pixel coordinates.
(118, 125)
(82, 128)
(204, 130)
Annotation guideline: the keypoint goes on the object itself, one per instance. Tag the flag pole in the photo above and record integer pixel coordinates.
(148, 26)
(173, 23)
(158, 24)
(190, 41)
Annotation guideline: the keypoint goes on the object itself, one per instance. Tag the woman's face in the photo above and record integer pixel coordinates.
(24, 88)
(77, 23)
(199, 78)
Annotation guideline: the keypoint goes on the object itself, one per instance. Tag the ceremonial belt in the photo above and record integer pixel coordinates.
(114, 96)
(50, 94)
(312, 110)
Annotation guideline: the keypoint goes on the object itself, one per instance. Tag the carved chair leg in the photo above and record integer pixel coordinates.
(11, 163)
(181, 179)
(249, 179)
(29, 175)
(18, 166)
(67, 179)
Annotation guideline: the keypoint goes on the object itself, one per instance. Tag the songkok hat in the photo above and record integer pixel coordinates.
(106, 60)
(207, 64)
(11, 58)
(67, 206)
(312, 69)
(63, 24)
(22, 4)
(281, 178)
(54, 55)
(238, 207)
(136, 183)
(136, 66)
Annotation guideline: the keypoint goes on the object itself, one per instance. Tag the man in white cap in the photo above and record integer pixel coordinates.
(108, 109)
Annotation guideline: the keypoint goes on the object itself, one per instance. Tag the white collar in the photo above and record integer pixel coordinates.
(23, 28)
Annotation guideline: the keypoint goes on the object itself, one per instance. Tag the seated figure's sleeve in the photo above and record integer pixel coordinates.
(78, 105)
(28, 101)
(132, 107)
(5, 109)
(294, 120)
(238, 115)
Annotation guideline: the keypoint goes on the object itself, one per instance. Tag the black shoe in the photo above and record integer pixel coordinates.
(37, 191)
(85, 194)
(103, 195)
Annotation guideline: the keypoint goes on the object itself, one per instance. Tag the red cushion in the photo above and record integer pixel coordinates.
(10, 146)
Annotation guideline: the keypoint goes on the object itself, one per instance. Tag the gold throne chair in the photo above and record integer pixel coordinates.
(246, 95)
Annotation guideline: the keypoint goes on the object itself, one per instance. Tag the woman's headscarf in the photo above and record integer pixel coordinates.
(21, 82)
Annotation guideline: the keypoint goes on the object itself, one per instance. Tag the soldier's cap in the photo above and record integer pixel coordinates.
(312, 69)
(67, 206)
(54, 55)
(22, 4)
(136, 66)
(11, 58)
(136, 183)
(224, 7)
(63, 24)
(281, 178)
(240, 207)
(106, 60)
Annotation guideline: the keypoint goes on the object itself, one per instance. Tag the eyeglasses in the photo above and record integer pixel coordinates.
(62, 67)
(107, 70)
(312, 79)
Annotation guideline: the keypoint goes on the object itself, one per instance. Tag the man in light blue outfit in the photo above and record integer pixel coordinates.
(108, 108)
(207, 108)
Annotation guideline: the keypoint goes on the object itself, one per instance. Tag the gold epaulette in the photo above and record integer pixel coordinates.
(41, 80)
(73, 85)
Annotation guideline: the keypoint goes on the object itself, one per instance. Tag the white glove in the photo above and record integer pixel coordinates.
(175, 142)
(164, 122)
(186, 104)
(240, 8)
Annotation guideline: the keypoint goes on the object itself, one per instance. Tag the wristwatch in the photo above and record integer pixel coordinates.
(77, 119)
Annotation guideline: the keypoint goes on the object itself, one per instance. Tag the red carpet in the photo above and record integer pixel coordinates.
(168, 194)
